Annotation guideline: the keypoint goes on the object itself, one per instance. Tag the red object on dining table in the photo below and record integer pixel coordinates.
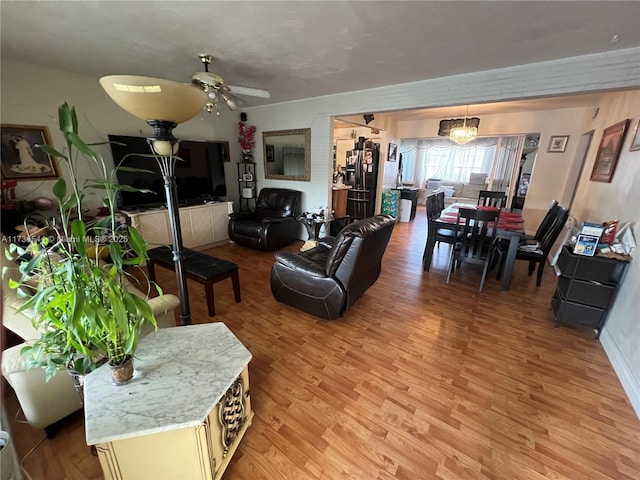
(506, 221)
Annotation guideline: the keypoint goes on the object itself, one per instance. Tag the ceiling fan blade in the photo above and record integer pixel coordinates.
(250, 92)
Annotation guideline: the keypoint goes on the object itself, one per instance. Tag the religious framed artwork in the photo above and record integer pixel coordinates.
(21, 159)
(609, 151)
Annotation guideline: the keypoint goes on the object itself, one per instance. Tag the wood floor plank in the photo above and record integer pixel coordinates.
(419, 380)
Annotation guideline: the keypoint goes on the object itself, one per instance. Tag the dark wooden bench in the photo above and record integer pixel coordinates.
(199, 267)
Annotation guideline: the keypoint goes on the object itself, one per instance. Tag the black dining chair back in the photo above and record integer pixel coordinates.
(547, 220)
(476, 232)
(440, 201)
(538, 254)
(435, 205)
(488, 198)
(433, 211)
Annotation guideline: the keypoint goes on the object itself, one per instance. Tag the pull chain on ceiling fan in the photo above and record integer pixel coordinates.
(215, 88)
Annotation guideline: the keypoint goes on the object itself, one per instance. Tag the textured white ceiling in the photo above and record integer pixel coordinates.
(306, 49)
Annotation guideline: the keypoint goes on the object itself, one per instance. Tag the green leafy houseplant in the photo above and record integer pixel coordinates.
(82, 306)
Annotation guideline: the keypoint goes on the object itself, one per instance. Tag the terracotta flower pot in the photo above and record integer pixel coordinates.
(121, 374)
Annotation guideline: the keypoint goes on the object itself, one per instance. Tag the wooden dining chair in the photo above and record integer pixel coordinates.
(476, 241)
(538, 252)
(488, 198)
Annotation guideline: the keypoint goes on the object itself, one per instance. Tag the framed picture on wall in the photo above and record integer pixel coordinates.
(21, 159)
(393, 150)
(609, 151)
(558, 143)
(635, 141)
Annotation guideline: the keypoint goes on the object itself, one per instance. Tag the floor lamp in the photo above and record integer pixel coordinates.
(163, 104)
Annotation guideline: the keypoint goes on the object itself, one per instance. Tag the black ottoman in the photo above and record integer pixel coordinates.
(199, 267)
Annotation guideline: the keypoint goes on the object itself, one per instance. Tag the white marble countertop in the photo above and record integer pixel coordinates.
(341, 187)
(180, 375)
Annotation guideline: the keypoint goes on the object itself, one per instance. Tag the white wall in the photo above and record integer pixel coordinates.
(31, 95)
(551, 169)
(607, 71)
(620, 199)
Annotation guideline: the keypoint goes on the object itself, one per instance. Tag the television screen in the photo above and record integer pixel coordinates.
(199, 177)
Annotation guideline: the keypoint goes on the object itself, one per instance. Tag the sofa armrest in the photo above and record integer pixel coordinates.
(42, 403)
(298, 262)
(163, 309)
(327, 242)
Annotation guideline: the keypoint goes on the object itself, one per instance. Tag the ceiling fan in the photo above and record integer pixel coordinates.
(215, 88)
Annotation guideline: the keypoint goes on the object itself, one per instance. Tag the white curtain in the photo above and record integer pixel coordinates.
(440, 158)
(509, 149)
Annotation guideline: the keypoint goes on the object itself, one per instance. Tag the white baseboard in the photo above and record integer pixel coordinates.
(630, 385)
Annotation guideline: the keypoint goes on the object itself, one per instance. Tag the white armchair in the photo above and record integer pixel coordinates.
(44, 403)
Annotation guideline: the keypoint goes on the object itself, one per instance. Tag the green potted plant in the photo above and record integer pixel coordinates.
(82, 306)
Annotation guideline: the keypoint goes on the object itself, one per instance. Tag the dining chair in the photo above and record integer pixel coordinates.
(476, 241)
(538, 252)
(488, 198)
(434, 209)
(547, 220)
(440, 201)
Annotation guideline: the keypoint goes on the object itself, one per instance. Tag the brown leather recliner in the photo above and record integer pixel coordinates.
(326, 280)
(273, 225)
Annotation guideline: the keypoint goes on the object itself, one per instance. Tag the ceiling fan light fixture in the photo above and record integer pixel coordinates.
(151, 98)
(229, 101)
(214, 86)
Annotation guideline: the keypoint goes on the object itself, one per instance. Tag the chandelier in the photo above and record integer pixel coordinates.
(462, 134)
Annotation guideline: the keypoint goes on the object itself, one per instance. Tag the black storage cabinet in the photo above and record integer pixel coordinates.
(586, 289)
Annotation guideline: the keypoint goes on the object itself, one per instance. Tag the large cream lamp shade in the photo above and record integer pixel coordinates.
(151, 98)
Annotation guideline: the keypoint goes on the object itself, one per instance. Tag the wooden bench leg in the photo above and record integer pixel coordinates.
(211, 303)
(235, 278)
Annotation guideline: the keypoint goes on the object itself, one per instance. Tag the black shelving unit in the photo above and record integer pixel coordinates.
(247, 180)
(586, 290)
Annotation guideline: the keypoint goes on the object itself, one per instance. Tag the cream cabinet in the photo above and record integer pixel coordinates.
(202, 226)
(184, 413)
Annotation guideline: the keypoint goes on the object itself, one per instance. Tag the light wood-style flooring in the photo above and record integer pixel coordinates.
(420, 380)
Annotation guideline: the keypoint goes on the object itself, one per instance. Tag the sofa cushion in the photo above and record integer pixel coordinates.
(471, 191)
(478, 178)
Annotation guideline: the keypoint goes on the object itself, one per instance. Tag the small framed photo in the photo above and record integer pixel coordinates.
(393, 149)
(247, 177)
(21, 159)
(558, 143)
(635, 141)
(608, 152)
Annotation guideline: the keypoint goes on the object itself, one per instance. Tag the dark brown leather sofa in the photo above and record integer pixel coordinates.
(326, 280)
(273, 225)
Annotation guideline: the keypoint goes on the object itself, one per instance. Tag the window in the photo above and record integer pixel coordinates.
(440, 158)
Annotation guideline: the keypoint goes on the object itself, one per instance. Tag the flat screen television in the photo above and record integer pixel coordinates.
(199, 178)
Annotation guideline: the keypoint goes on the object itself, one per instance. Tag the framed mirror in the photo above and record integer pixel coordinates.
(287, 154)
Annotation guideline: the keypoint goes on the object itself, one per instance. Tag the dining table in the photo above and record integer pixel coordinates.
(510, 228)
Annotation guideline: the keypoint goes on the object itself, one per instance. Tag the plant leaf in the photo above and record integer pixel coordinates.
(60, 189)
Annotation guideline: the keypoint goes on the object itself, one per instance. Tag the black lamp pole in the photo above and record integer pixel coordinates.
(164, 145)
